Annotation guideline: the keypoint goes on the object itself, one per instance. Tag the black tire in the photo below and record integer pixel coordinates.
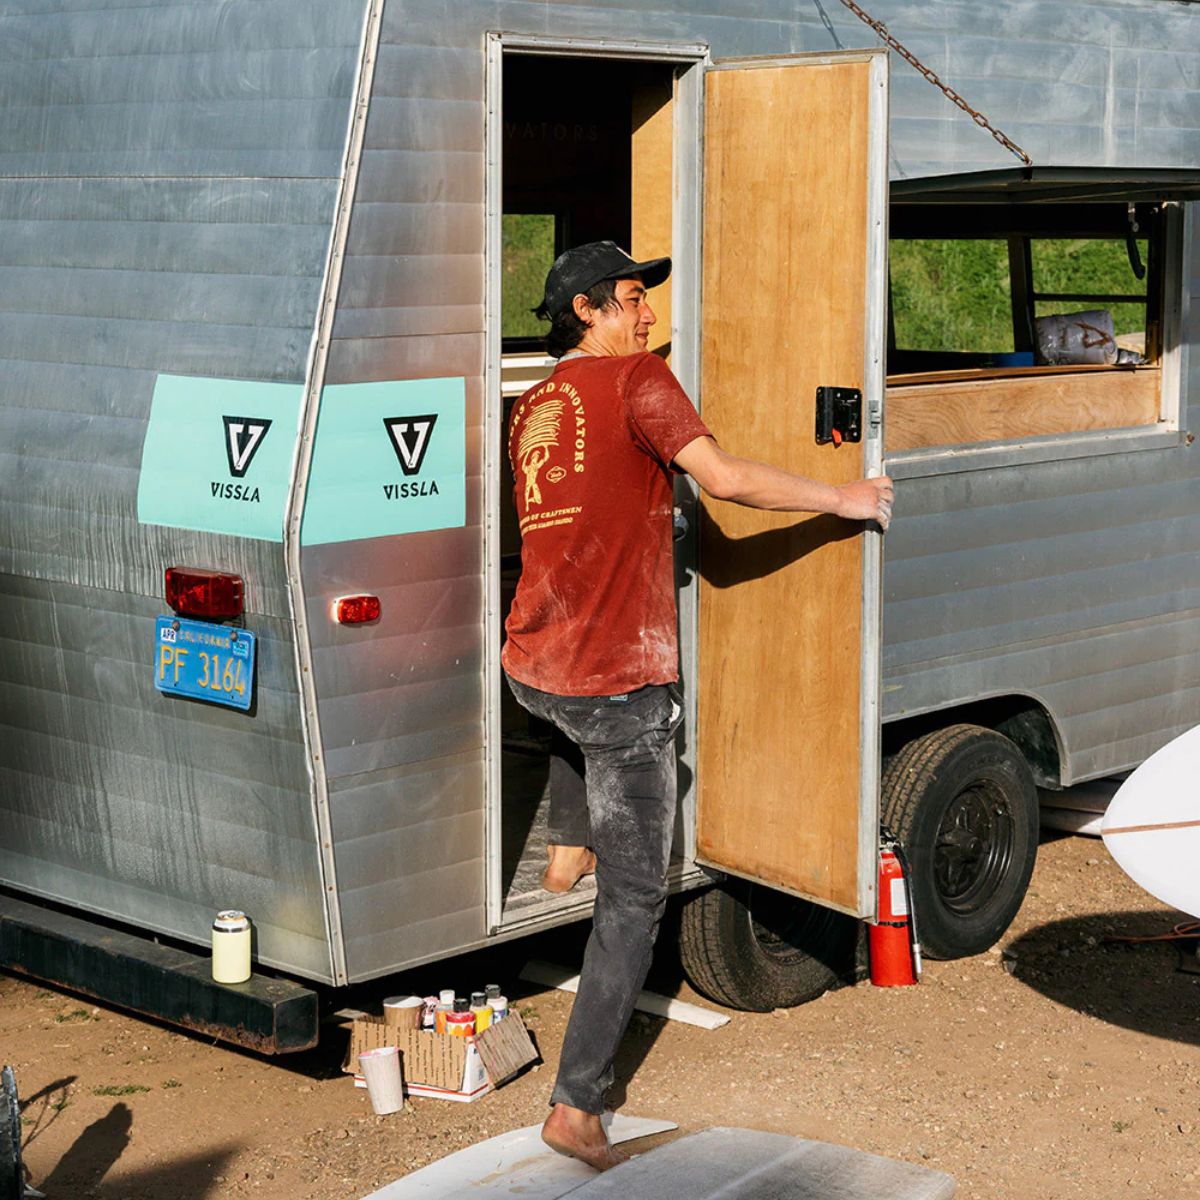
(963, 803)
(12, 1175)
(756, 949)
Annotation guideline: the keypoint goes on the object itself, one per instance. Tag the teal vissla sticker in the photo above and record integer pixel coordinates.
(218, 455)
(388, 458)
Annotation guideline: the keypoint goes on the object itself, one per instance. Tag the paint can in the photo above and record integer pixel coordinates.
(231, 947)
(403, 1012)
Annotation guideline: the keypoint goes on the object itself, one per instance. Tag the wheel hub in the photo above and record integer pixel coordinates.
(974, 847)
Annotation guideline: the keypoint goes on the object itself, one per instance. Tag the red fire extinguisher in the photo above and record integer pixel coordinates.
(895, 954)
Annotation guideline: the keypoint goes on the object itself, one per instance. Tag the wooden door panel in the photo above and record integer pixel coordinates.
(789, 260)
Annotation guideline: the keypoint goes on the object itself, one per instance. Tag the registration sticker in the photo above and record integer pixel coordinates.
(204, 661)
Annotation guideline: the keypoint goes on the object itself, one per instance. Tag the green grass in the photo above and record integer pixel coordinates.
(120, 1089)
(951, 295)
(77, 1016)
(528, 251)
(171, 1083)
(956, 295)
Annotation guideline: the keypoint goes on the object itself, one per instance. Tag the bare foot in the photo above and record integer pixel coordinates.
(567, 866)
(579, 1134)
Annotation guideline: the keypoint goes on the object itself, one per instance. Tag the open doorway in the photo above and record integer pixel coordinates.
(587, 152)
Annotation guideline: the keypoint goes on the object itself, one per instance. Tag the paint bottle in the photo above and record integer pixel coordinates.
(499, 1007)
(481, 1011)
(429, 1014)
(444, 1009)
(230, 947)
(492, 991)
(460, 1022)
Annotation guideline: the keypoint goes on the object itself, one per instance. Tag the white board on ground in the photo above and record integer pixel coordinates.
(647, 1002)
(516, 1164)
(744, 1164)
(1152, 826)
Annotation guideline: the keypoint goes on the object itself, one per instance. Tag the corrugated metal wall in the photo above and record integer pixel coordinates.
(167, 183)
(1075, 82)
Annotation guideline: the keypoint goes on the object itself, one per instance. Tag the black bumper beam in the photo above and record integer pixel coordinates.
(272, 1016)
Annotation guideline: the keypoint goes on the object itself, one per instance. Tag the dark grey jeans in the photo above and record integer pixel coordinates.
(623, 807)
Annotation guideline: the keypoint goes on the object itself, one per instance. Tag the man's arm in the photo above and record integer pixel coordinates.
(759, 485)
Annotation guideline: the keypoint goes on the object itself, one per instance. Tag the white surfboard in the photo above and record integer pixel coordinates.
(1152, 826)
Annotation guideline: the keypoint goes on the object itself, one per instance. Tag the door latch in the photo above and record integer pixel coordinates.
(839, 415)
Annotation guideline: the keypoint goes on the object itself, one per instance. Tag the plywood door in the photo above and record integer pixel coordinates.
(789, 641)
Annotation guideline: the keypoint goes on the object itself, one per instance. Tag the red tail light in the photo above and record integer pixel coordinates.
(195, 592)
(356, 610)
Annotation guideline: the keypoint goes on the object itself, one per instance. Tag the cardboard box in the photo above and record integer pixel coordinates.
(444, 1066)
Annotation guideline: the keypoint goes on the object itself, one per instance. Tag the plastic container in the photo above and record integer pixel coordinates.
(381, 1070)
(1082, 338)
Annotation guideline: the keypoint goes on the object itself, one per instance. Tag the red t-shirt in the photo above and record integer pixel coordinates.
(591, 451)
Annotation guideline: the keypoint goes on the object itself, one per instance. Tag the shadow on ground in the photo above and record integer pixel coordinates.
(1136, 985)
(82, 1169)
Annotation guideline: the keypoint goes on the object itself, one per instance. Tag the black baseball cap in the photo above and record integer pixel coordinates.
(582, 267)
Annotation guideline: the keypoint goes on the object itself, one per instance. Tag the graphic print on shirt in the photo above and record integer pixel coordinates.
(539, 435)
(547, 445)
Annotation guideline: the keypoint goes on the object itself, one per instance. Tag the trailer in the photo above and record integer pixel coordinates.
(262, 328)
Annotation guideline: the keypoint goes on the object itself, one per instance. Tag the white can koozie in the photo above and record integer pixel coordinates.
(231, 947)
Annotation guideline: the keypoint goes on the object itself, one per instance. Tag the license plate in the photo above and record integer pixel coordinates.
(204, 662)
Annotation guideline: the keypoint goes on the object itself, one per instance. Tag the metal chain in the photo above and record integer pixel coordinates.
(912, 60)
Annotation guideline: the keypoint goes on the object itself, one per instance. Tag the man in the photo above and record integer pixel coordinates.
(591, 645)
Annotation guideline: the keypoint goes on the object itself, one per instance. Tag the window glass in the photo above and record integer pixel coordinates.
(528, 251)
(951, 295)
(1091, 268)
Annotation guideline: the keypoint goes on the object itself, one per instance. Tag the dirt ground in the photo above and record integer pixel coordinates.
(1054, 1066)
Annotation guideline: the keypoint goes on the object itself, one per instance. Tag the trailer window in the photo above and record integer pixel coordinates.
(951, 296)
(963, 357)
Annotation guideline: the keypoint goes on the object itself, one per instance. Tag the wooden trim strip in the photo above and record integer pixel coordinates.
(1147, 828)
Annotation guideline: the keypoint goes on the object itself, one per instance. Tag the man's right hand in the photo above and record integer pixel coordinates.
(759, 485)
(868, 500)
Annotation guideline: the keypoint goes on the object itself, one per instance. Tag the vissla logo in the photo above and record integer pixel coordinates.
(243, 436)
(410, 439)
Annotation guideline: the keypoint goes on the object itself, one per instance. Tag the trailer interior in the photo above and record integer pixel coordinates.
(587, 156)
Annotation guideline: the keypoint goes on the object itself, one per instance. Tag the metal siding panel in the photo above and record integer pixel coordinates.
(235, 74)
(391, 227)
(433, 357)
(228, 203)
(438, 279)
(412, 839)
(241, 300)
(421, 177)
(113, 32)
(292, 251)
(121, 256)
